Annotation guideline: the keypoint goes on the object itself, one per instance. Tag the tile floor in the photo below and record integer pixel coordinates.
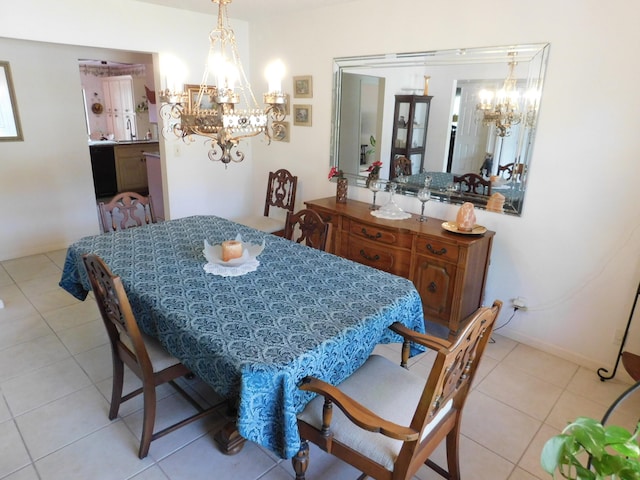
(55, 383)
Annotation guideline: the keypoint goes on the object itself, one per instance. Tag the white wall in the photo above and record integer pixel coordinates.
(45, 182)
(574, 252)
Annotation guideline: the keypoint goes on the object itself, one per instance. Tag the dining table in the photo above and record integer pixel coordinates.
(253, 336)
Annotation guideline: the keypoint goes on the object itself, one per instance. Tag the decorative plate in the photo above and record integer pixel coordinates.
(97, 108)
(453, 228)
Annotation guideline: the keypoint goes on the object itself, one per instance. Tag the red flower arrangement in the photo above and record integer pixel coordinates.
(374, 168)
(335, 172)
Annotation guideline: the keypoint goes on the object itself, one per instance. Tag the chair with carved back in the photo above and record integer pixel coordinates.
(512, 170)
(125, 210)
(143, 354)
(281, 194)
(307, 227)
(473, 183)
(388, 419)
(400, 166)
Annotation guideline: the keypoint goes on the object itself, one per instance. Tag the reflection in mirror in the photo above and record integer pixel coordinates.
(441, 114)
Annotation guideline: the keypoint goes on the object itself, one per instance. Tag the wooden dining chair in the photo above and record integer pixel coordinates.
(307, 227)
(281, 194)
(125, 210)
(389, 420)
(511, 170)
(400, 166)
(141, 353)
(473, 183)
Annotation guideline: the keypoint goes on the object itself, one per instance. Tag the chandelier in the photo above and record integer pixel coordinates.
(223, 107)
(502, 108)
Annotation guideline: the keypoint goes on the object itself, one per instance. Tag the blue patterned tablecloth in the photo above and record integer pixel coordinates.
(252, 337)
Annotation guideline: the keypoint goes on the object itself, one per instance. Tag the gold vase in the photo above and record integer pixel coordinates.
(341, 190)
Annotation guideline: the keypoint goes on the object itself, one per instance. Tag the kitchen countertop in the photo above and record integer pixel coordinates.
(93, 143)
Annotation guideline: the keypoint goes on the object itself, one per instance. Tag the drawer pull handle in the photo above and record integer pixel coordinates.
(432, 287)
(442, 251)
(375, 258)
(369, 236)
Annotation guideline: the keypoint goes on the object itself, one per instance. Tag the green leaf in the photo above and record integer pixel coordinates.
(554, 452)
(615, 453)
(590, 434)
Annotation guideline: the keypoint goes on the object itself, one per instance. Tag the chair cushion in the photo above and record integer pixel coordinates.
(160, 358)
(262, 223)
(385, 388)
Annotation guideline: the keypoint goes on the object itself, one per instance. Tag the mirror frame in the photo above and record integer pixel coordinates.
(532, 58)
(12, 130)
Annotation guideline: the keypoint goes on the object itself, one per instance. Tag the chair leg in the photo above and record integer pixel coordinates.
(116, 387)
(300, 461)
(453, 459)
(149, 419)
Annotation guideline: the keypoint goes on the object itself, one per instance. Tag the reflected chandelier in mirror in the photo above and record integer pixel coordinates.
(449, 112)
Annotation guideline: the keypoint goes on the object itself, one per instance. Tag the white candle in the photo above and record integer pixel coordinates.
(274, 73)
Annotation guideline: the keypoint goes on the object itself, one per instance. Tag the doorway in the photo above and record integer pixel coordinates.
(122, 124)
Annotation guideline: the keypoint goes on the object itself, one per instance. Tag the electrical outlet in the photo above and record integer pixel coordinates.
(519, 303)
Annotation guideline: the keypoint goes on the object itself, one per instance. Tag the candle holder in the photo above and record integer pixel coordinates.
(375, 186)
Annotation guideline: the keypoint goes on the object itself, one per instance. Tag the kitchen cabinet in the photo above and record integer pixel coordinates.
(449, 270)
(119, 107)
(131, 167)
(103, 168)
(409, 137)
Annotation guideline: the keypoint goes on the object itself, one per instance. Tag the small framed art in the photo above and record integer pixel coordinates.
(280, 131)
(303, 87)
(302, 115)
(205, 101)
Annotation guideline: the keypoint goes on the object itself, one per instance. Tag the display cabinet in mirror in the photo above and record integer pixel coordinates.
(466, 111)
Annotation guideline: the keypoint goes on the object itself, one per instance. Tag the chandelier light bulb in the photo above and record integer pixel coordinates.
(275, 73)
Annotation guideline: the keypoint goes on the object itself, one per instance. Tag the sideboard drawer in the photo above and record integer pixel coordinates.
(437, 248)
(379, 256)
(382, 235)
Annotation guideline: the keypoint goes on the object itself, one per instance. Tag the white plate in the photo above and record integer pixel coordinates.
(453, 227)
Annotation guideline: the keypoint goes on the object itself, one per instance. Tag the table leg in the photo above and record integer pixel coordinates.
(300, 461)
(228, 439)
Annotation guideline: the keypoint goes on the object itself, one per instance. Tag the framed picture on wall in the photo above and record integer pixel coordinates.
(280, 131)
(205, 102)
(10, 130)
(302, 115)
(302, 87)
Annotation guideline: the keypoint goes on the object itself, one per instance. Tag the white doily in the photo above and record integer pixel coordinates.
(236, 266)
(391, 215)
(231, 271)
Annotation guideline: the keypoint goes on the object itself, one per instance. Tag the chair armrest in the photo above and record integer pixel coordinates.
(429, 341)
(357, 413)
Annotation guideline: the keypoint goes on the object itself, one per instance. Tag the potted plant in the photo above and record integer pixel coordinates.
(587, 450)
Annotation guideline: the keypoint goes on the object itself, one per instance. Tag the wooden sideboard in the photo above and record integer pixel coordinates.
(449, 270)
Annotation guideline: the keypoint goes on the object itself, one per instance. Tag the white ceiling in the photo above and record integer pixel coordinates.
(249, 9)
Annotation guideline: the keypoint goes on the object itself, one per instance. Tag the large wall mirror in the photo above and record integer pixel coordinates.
(462, 121)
